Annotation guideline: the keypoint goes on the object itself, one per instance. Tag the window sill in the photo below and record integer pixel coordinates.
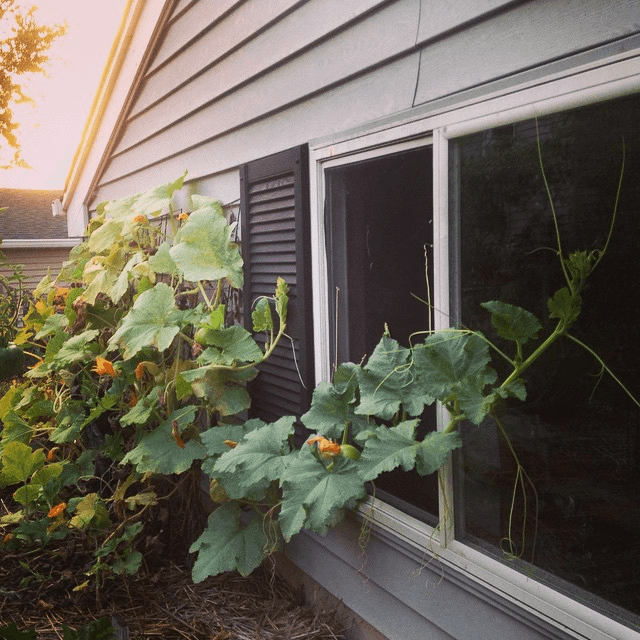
(520, 594)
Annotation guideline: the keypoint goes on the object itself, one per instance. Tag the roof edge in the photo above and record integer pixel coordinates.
(138, 34)
(40, 243)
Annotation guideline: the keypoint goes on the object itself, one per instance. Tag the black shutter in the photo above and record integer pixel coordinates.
(275, 242)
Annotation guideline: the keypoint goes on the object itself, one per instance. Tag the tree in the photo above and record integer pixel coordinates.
(23, 50)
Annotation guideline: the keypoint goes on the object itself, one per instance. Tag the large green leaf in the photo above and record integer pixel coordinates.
(203, 249)
(162, 262)
(388, 381)
(229, 345)
(314, 496)
(53, 324)
(511, 322)
(158, 451)
(105, 237)
(333, 405)
(70, 421)
(118, 209)
(217, 440)
(121, 284)
(15, 429)
(156, 200)
(153, 321)
(257, 460)
(387, 448)
(447, 358)
(224, 388)
(101, 273)
(77, 348)
(19, 462)
(229, 545)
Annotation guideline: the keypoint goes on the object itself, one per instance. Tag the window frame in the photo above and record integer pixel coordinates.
(590, 83)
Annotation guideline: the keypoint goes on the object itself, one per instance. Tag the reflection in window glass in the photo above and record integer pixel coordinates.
(578, 434)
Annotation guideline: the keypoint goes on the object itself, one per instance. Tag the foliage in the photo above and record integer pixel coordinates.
(23, 50)
(13, 300)
(96, 630)
(133, 359)
(142, 376)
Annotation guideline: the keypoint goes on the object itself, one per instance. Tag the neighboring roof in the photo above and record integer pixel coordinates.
(27, 214)
(132, 48)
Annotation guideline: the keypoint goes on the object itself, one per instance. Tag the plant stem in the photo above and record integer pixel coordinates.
(519, 369)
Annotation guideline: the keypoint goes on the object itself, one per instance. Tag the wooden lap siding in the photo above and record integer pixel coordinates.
(275, 241)
(235, 81)
(35, 263)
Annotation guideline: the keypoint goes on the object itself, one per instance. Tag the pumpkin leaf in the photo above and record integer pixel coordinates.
(154, 321)
(313, 496)
(203, 249)
(228, 544)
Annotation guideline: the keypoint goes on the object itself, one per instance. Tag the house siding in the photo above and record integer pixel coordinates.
(235, 81)
(35, 263)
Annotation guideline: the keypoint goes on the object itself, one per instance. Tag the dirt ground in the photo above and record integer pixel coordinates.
(37, 592)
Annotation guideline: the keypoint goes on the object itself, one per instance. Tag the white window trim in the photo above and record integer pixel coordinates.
(602, 80)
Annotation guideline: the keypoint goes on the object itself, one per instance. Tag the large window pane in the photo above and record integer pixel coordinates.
(577, 526)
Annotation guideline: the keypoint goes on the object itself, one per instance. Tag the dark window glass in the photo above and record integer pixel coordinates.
(578, 433)
(379, 221)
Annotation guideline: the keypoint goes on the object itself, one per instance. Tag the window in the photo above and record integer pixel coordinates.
(578, 433)
(379, 245)
(577, 566)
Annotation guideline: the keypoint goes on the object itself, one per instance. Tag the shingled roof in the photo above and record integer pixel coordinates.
(28, 215)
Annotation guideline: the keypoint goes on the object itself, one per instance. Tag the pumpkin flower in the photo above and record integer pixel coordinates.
(61, 291)
(7, 538)
(140, 219)
(139, 371)
(326, 448)
(232, 444)
(183, 216)
(54, 512)
(104, 367)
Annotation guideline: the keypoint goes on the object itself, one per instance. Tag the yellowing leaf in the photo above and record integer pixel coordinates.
(152, 322)
(203, 249)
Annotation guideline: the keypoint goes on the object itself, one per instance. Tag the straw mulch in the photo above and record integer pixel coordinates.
(161, 604)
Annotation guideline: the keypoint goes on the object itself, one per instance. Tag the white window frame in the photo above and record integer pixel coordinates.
(587, 84)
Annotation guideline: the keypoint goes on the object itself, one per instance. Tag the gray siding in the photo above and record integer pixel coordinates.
(233, 80)
(35, 263)
(409, 596)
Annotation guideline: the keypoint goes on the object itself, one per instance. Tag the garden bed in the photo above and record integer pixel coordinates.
(164, 603)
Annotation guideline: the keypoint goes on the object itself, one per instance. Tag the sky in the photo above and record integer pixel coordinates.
(50, 131)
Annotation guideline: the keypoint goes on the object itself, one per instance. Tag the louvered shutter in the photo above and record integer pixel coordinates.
(275, 242)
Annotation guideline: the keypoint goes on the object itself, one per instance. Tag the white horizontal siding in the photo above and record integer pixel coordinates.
(438, 18)
(522, 37)
(233, 82)
(265, 51)
(189, 28)
(386, 90)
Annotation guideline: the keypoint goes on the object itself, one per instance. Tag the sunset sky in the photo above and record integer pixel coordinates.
(50, 131)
